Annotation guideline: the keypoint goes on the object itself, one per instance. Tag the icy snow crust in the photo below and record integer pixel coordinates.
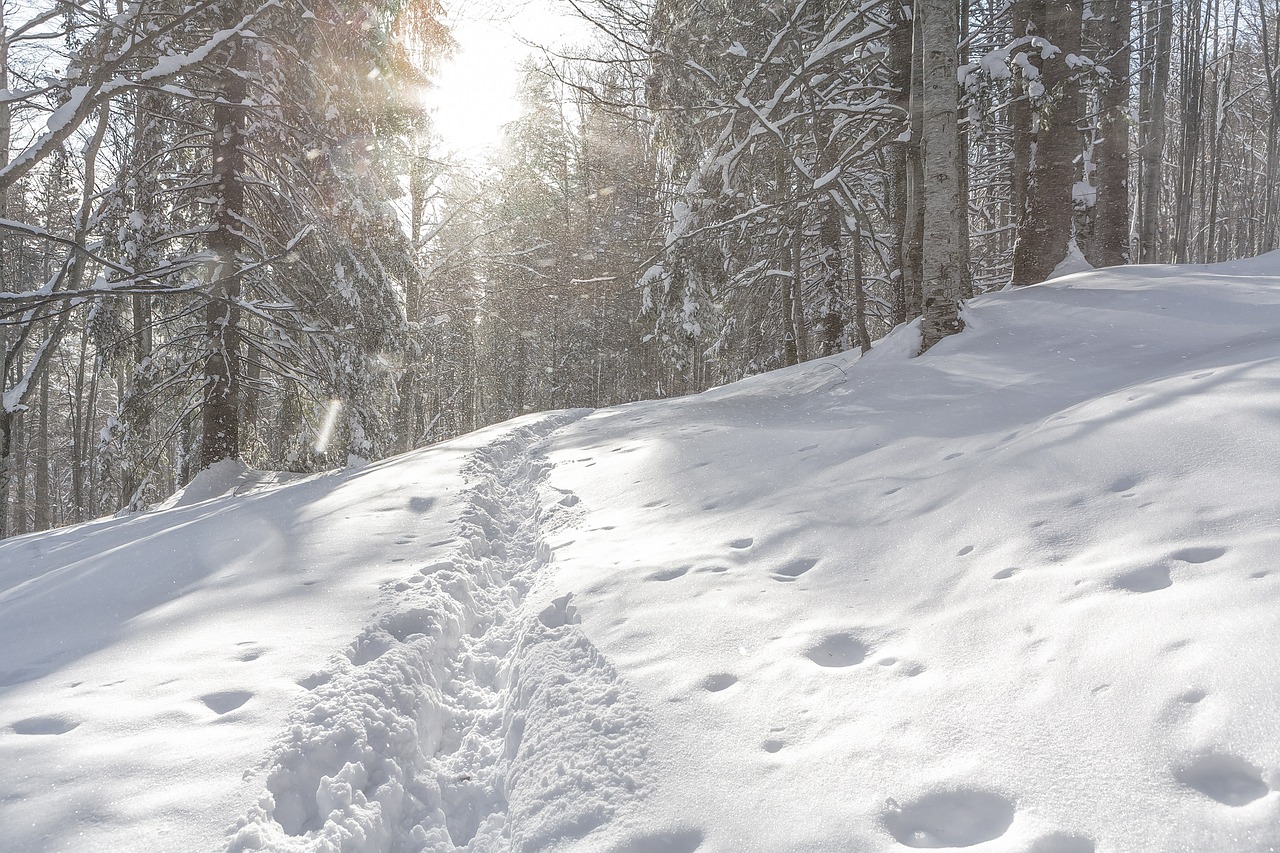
(1018, 594)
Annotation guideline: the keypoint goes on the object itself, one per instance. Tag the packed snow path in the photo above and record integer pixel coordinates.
(456, 722)
(148, 658)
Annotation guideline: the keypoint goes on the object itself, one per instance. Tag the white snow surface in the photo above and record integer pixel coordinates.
(1018, 594)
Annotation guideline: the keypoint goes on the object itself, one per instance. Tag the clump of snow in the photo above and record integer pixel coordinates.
(1073, 263)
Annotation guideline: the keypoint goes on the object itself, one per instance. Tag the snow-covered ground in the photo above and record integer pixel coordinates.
(1019, 594)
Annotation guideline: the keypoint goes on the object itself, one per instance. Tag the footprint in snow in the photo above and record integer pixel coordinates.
(669, 574)
(44, 726)
(794, 569)
(1198, 555)
(226, 701)
(838, 650)
(960, 818)
(1124, 484)
(1062, 842)
(1005, 574)
(251, 654)
(745, 542)
(951, 456)
(965, 551)
(1228, 779)
(772, 745)
(718, 681)
(421, 504)
(665, 841)
(1148, 579)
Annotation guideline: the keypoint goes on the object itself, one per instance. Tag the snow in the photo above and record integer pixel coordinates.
(1074, 262)
(1016, 594)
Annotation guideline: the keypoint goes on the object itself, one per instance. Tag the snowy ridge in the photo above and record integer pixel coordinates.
(434, 730)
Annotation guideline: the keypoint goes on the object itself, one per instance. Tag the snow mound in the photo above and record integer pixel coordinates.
(228, 477)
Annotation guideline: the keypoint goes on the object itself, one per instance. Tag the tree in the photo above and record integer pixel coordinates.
(1111, 154)
(940, 268)
(1052, 58)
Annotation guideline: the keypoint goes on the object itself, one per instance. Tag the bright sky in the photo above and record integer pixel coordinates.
(475, 95)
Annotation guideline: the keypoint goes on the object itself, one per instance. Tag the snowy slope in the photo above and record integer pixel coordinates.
(1019, 594)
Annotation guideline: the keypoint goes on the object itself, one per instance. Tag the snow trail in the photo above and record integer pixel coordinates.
(444, 725)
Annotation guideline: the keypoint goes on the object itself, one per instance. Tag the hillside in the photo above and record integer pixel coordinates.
(1018, 594)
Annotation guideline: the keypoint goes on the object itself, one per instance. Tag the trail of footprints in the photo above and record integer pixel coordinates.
(220, 702)
(784, 573)
(965, 817)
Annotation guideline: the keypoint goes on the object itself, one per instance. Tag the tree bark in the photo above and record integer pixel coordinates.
(1192, 76)
(898, 79)
(1111, 154)
(1223, 96)
(1270, 63)
(1044, 231)
(41, 498)
(913, 240)
(1154, 133)
(941, 279)
(1019, 123)
(220, 413)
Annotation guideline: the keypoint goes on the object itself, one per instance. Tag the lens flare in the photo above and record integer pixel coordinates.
(326, 429)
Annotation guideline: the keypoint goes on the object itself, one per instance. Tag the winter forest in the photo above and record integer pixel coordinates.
(228, 228)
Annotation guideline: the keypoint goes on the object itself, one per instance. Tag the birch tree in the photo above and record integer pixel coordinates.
(943, 205)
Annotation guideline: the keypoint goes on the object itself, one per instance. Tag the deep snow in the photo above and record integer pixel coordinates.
(1018, 594)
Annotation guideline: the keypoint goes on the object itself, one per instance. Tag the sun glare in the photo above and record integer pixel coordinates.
(475, 92)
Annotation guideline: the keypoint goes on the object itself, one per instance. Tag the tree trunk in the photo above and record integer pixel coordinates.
(1154, 133)
(798, 320)
(220, 413)
(1192, 76)
(913, 242)
(79, 414)
(898, 79)
(8, 467)
(941, 259)
(1044, 231)
(21, 437)
(1020, 123)
(962, 164)
(41, 499)
(1111, 154)
(831, 272)
(859, 295)
(1270, 61)
(1212, 249)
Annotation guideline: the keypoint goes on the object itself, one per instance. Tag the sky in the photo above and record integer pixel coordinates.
(476, 90)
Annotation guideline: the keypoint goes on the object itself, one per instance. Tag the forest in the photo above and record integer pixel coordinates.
(228, 229)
